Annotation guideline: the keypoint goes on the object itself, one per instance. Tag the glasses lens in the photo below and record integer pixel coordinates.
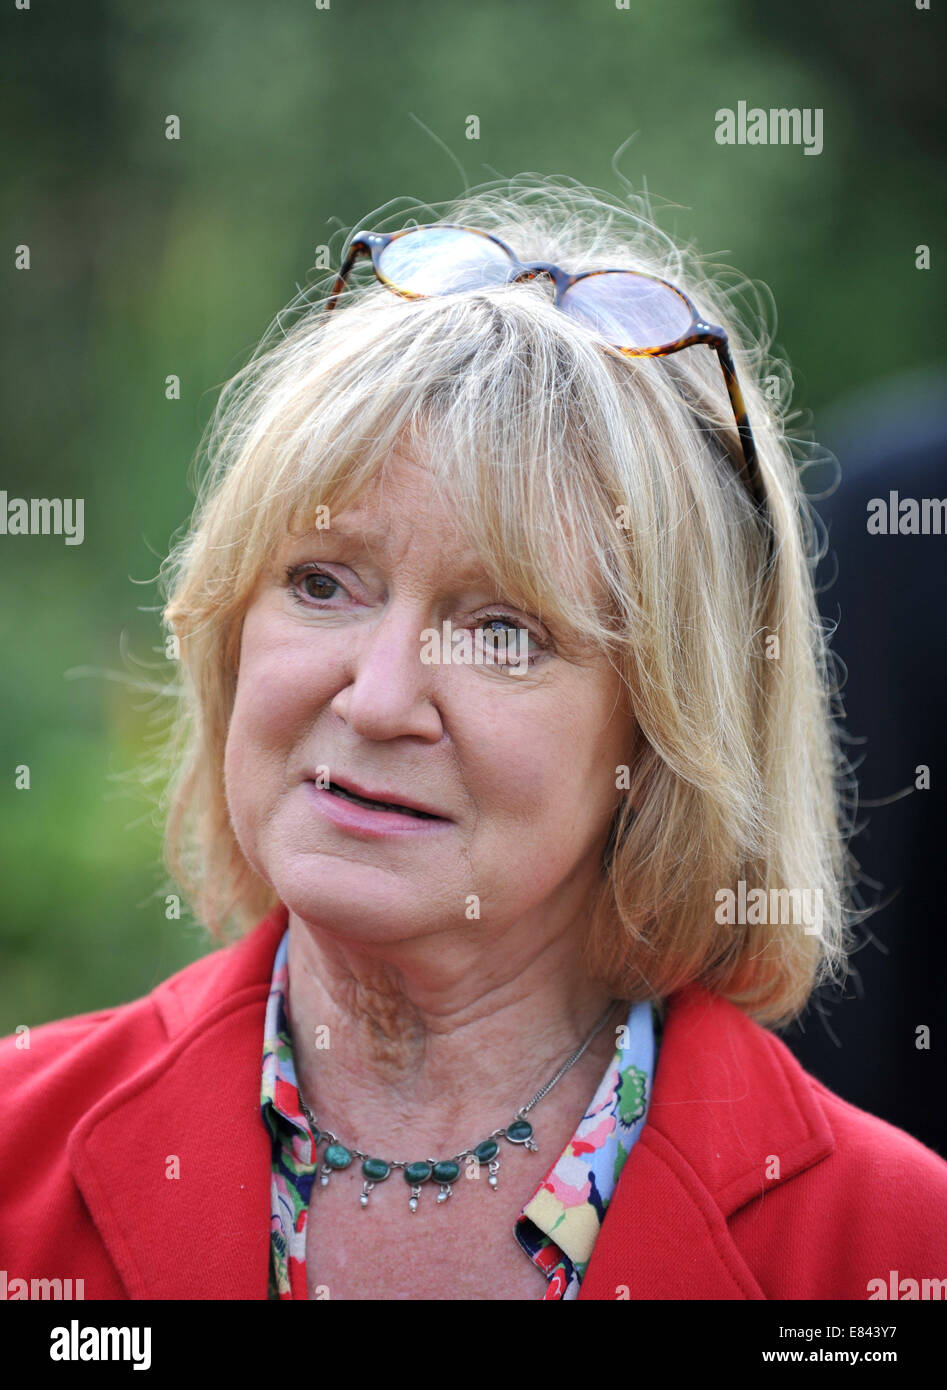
(628, 310)
(443, 260)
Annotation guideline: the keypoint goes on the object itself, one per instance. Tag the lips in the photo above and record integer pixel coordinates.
(381, 800)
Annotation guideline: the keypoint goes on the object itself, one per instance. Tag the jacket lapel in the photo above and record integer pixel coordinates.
(732, 1115)
(174, 1164)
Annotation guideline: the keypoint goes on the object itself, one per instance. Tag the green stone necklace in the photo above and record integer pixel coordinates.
(444, 1171)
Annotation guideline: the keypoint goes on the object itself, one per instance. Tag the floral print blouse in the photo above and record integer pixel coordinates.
(557, 1227)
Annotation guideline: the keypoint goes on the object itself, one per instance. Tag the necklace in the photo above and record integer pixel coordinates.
(337, 1156)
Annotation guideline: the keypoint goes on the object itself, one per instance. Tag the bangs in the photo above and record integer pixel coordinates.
(501, 427)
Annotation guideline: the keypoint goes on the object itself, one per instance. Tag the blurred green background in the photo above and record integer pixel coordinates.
(152, 257)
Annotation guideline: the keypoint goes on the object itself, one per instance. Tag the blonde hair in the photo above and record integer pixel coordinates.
(556, 453)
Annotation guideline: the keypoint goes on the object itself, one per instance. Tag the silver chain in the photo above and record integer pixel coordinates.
(496, 1133)
(524, 1110)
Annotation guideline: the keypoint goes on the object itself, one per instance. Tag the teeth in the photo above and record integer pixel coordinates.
(375, 805)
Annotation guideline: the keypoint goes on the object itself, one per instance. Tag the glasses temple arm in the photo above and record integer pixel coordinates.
(743, 424)
(358, 248)
(754, 477)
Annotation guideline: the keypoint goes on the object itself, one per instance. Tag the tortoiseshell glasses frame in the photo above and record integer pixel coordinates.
(696, 331)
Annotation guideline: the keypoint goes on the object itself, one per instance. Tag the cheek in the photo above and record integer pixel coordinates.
(245, 769)
(261, 727)
(277, 685)
(260, 718)
(573, 777)
(537, 770)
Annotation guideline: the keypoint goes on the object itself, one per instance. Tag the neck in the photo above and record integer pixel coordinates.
(427, 1042)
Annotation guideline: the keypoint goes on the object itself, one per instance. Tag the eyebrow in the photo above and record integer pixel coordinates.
(368, 537)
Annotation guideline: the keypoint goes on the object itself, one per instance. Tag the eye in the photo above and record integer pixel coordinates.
(308, 585)
(507, 620)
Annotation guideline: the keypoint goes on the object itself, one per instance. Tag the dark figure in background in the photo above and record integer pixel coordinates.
(890, 602)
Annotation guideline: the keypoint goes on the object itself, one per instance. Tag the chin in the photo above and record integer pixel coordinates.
(357, 901)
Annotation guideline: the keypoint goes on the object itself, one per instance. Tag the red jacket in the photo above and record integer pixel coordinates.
(750, 1180)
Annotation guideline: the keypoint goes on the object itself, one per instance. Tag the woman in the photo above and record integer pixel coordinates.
(506, 709)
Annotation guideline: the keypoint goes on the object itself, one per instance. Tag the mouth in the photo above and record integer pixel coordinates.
(373, 804)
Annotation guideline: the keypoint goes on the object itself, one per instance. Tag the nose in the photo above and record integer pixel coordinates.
(388, 691)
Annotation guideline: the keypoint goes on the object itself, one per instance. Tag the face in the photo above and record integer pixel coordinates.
(516, 770)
